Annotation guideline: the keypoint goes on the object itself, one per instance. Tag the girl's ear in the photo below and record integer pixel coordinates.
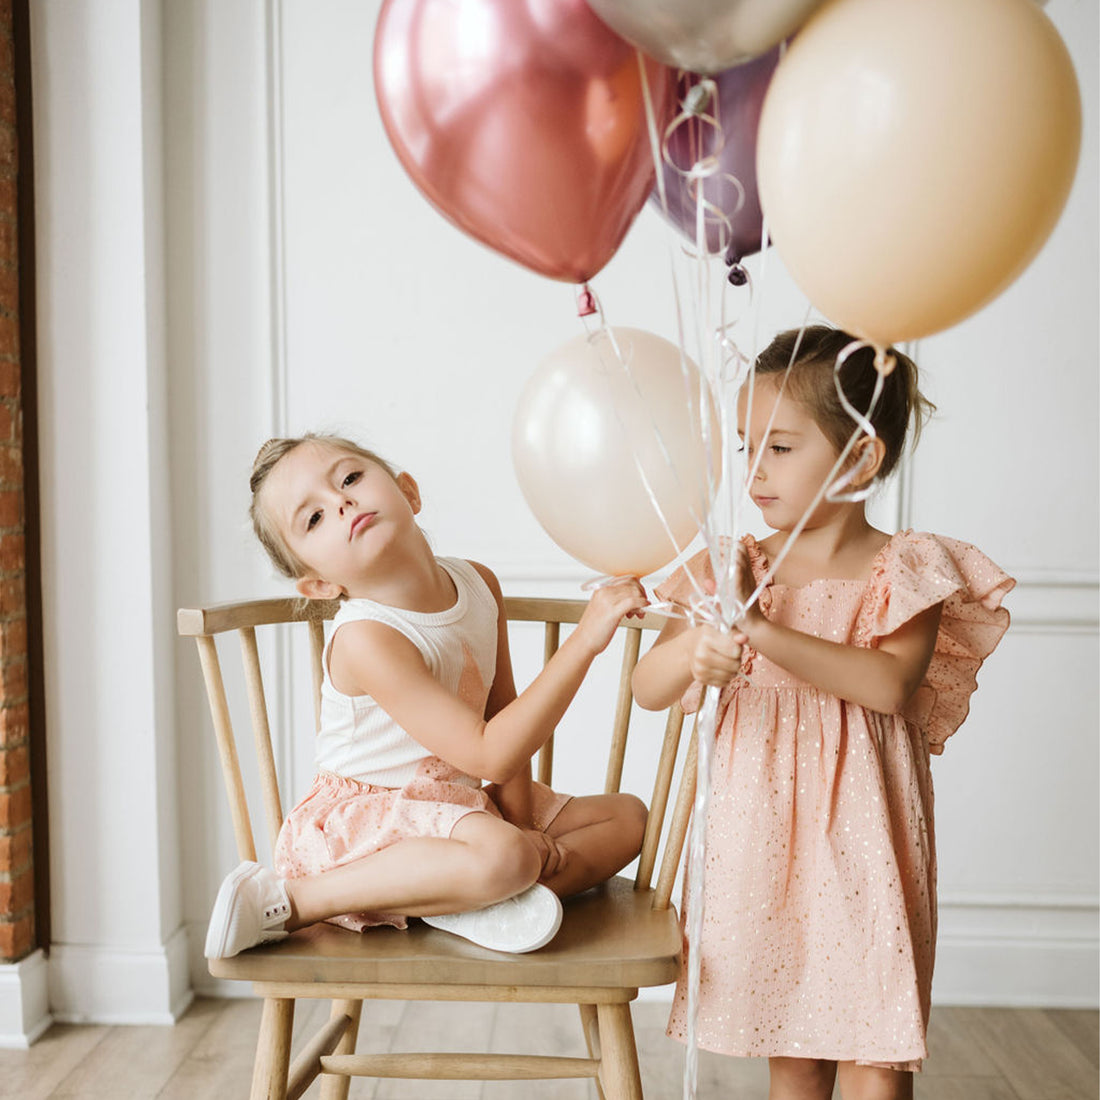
(313, 588)
(868, 456)
(407, 484)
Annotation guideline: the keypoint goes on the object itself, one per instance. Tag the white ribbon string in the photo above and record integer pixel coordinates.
(706, 727)
(725, 370)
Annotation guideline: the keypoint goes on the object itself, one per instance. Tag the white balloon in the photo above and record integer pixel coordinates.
(615, 456)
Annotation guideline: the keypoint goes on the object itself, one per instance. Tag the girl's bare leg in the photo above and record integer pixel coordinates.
(874, 1083)
(597, 835)
(801, 1078)
(483, 861)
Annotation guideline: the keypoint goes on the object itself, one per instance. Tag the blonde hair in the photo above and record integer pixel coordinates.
(267, 458)
(812, 353)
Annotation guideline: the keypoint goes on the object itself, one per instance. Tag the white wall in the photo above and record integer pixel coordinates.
(118, 942)
(307, 284)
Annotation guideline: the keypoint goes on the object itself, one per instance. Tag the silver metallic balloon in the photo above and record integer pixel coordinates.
(704, 36)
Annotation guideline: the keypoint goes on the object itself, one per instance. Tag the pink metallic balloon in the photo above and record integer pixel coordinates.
(523, 122)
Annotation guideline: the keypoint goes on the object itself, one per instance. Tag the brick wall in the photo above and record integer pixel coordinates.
(17, 923)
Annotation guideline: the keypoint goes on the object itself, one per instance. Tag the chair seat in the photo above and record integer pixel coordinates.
(611, 937)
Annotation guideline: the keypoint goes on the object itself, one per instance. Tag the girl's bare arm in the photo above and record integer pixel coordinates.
(369, 658)
(681, 655)
(882, 679)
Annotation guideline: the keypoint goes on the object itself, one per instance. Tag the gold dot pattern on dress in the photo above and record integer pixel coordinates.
(820, 885)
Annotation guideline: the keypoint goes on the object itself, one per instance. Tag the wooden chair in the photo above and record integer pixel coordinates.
(614, 939)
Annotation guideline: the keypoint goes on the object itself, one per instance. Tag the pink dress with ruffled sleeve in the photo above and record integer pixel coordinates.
(820, 916)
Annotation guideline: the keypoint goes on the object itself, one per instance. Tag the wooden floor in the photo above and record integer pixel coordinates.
(974, 1054)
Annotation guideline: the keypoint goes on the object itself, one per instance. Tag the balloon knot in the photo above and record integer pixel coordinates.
(737, 275)
(586, 302)
(884, 362)
(698, 97)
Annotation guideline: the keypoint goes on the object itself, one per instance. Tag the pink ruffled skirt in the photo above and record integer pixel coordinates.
(341, 820)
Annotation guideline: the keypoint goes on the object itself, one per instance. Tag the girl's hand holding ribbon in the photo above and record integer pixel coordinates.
(715, 655)
(609, 604)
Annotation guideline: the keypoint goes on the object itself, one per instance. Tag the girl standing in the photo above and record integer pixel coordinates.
(855, 664)
(418, 706)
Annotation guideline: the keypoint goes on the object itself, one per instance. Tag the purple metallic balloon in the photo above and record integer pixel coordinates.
(740, 96)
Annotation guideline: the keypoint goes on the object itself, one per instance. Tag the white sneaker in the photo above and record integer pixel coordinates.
(518, 924)
(251, 907)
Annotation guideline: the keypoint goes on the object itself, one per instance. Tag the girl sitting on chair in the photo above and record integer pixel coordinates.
(418, 706)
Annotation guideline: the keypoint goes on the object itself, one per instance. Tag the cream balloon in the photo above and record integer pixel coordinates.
(914, 155)
(612, 454)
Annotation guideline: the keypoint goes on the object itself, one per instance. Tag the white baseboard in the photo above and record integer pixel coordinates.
(1011, 952)
(24, 1001)
(1018, 951)
(92, 984)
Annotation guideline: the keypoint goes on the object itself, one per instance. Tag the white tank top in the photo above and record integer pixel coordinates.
(358, 739)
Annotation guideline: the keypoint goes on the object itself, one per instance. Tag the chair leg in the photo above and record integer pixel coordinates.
(273, 1050)
(619, 1074)
(335, 1086)
(591, 1026)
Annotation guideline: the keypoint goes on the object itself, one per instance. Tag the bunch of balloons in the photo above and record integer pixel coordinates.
(907, 158)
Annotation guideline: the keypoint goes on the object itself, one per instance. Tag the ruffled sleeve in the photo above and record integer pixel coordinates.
(916, 571)
(683, 586)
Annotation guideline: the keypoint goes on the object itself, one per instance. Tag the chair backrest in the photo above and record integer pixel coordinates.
(246, 617)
